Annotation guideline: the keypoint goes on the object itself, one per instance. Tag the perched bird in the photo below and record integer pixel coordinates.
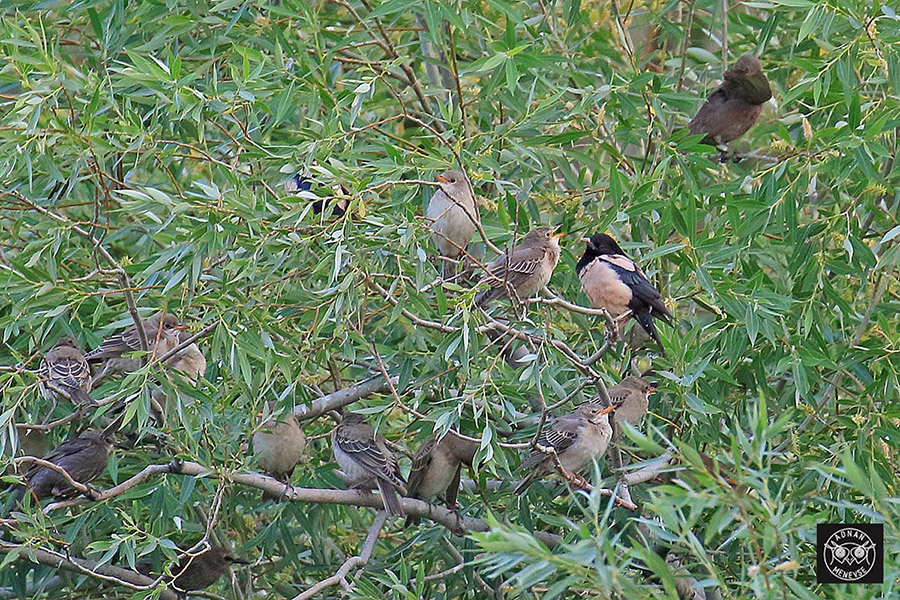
(526, 268)
(631, 399)
(302, 183)
(453, 217)
(578, 439)
(190, 364)
(436, 469)
(366, 461)
(612, 281)
(84, 458)
(278, 447)
(733, 108)
(65, 374)
(161, 331)
(202, 570)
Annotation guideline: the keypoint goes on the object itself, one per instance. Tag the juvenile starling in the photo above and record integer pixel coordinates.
(526, 268)
(612, 281)
(366, 461)
(278, 447)
(189, 361)
(65, 374)
(733, 108)
(631, 399)
(578, 439)
(203, 570)
(83, 458)
(452, 216)
(302, 183)
(162, 336)
(436, 469)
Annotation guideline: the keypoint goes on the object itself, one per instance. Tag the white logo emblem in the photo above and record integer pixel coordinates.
(849, 554)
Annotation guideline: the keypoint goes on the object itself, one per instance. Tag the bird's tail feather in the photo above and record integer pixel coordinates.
(526, 483)
(646, 321)
(389, 497)
(484, 297)
(448, 269)
(80, 397)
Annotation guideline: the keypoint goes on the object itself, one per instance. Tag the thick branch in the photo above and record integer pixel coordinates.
(341, 398)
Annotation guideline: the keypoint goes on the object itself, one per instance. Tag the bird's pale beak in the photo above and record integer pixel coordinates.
(559, 234)
(442, 179)
(180, 327)
(609, 409)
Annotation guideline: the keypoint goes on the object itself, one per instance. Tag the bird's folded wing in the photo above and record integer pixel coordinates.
(559, 436)
(68, 371)
(421, 462)
(641, 288)
(367, 454)
(523, 263)
(116, 345)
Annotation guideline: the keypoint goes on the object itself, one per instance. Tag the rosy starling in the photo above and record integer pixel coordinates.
(578, 439)
(278, 447)
(366, 461)
(65, 374)
(525, 269)
(733, 108)
(304, 184)
(83, 458)
(453, 217)
(437, 466)
(202, 570)
(612, 281)
(631, 399)
(162, 336)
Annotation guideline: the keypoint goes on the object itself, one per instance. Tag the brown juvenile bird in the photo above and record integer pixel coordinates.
(578, 439)
(614, 282)
(526, 268)
(84, 458)
(189, 361)
(452, 215)
(278, 447)
(203, 570)
(366, 461)
(65, 374)
(733, 108)
(631, 397)
(162, 336)
(436, 469)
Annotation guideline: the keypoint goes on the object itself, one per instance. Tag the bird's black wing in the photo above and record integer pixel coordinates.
(643, 294)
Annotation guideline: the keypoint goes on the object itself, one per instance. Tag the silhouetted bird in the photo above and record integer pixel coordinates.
(578, 438)
(452, 216)
(162, 336)
(526, 268)
(614, 282)
(83, 458)
(436, 469)
(203, 570)
(366, 461)
(65, 374)
(733, 108)
(302, 183)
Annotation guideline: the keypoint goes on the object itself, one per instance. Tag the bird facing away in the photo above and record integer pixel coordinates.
(366, 461)
(436, 469)
(279, 446)
(453, 216)
(302, 183)
(526, 268)
(733, 108)
(631, 399)
(84, 458)
(200, 571)
(578, 439)
(614, 282)
(65, 374)
(162, 336)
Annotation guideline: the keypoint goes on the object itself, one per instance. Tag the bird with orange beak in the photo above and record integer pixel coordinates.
(525, 269)
(452, 216)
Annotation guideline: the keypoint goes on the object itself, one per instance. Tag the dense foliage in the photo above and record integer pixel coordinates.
(166, 130)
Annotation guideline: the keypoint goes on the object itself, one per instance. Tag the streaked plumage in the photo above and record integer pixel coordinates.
(578, 438)
(366, 461)
(614, 282)
(162, 336)
(527, 270)
(65, 374)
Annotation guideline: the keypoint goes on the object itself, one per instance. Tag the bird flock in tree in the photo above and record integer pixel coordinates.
(567, 445)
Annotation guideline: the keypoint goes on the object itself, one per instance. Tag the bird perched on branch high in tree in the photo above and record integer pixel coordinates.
(524, 269)
(613, 281)
(734, 107)
(577, 438)
(202, 570)
(300, 184)
(161, 331)
(65, 374)
(437, 467)
(366, 461)
(453, 217)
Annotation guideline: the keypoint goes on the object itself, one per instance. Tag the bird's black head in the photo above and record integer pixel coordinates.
(597, 245)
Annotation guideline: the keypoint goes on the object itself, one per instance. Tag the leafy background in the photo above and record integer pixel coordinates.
(166, 129)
